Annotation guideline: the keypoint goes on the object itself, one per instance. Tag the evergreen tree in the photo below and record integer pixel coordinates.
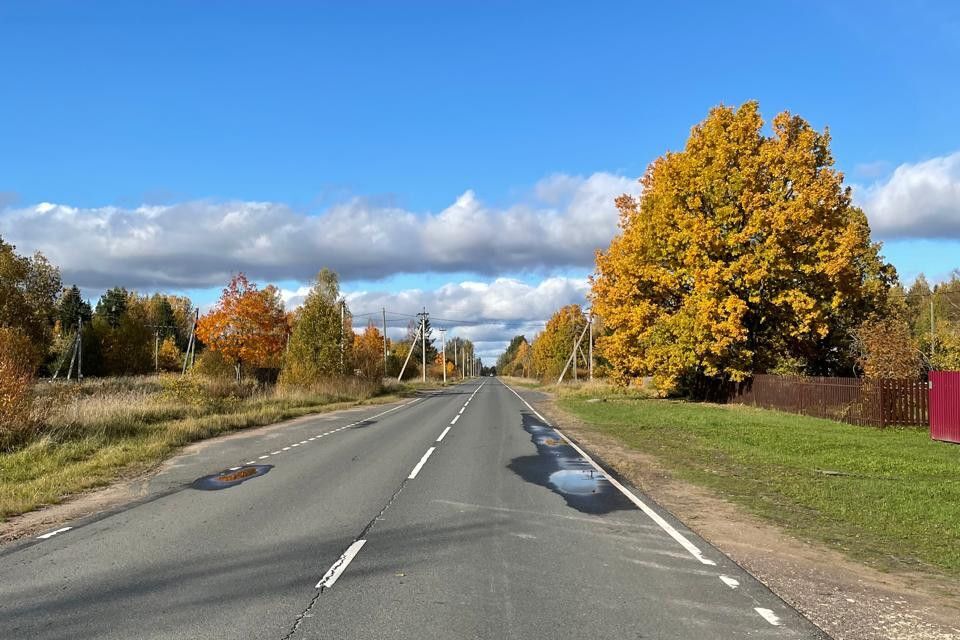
(112, 305)
(413, 334)
(70, 307)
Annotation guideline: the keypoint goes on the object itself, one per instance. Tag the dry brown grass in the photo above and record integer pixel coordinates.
(95, 431)
(17, 420)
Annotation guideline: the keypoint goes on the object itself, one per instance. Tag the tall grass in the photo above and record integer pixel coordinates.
(91, 433)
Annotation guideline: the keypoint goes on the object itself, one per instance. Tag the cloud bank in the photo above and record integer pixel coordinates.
(487, 313)
(199, 244)
(920, 200)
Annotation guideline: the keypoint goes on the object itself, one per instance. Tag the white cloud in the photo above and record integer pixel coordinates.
(200, 243)
(487, 313)
(919, 200)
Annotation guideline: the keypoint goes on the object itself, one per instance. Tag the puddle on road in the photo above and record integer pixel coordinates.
(230, 477)
(561, 469)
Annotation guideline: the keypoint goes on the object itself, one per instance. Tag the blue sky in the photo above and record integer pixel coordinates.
(406, 107)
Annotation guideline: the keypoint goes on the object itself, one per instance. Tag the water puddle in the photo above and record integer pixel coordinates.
(230, 477)
(561, 469)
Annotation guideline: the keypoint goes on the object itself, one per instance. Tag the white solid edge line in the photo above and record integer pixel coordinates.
(337, 568)
(53, 533)
(730, 582)
(443, 434)
(653, 515)
(768, 615)
(423, 461)
(455, 418)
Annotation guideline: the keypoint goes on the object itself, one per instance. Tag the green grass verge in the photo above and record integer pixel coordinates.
(113, 434)
(889, 497)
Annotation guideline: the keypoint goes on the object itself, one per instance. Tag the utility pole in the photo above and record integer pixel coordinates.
(463, 361)
(574, 356)
(384, 309)
(343, 307)
(409, 353)
(423, 341)
(443, 358)
(191, 343)
(933, 335)
(79, 349)
(571, 358)
(156, 343)
(590, 349)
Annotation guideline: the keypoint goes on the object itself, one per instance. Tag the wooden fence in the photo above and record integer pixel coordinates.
(877, 403)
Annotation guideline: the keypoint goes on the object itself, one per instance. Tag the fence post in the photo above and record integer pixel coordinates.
(882, 409)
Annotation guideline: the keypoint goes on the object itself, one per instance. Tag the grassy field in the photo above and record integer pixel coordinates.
(889, 497)
(91, 434)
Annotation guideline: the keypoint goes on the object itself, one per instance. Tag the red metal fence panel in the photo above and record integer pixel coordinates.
(945, 405)
(877, 403)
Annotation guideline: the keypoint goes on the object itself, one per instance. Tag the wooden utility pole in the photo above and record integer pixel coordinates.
(188, 355)
(443, 358)
(933, 335)
(423, 341)
(571, 358)
(384, 309)
(80, 350)
(574, 356)
(409, 353)
(590, 349)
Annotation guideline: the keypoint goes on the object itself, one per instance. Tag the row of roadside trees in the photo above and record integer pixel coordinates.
(247, 331)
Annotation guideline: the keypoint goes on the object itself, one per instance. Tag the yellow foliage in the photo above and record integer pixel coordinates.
(169, 356)
(886, 349)
(553, 346)
(743, 250)
(16, 383)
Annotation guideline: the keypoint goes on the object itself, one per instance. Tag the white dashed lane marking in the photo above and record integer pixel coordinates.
(423, 461)
(730, 582)
(333, 573)
(768, 615)
(320, 435)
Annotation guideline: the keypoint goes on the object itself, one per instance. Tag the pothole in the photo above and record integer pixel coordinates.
(230, 477)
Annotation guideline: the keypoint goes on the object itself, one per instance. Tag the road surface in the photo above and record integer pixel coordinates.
(459, 514)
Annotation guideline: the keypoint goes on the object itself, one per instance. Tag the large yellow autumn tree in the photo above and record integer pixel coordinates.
(742, 252)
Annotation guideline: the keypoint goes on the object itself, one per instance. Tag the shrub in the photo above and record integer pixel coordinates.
(17, 363)
(212, 364)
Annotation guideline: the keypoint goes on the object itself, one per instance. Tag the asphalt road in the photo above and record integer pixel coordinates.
(461, 514)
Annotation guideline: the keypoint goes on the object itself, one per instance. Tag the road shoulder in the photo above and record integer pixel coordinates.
(846, 599)
(134, 484)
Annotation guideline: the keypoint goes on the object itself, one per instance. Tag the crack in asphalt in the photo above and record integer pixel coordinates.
(303, 614)
(298, 621)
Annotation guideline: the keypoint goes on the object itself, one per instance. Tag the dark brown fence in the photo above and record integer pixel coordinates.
(877, 403)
